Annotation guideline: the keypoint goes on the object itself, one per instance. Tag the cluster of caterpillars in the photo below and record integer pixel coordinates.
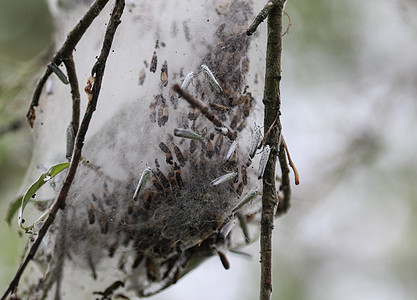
(201, 164)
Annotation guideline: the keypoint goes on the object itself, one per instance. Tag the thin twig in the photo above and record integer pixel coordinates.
(64, 53)
(204, 110)
(268, 132)
(60, 203)
(272, 128)
(287, 31)
(75, 92)
(292, 165)
(285, 187)
(261, 17)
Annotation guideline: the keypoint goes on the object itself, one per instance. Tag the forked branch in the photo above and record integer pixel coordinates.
(97, 72)
(272, 130)
(65, 53)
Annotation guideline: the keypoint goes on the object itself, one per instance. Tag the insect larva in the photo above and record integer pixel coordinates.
(130, 207)
(91, 215)
(193, 113)
(218, 107)
(142, 76)
(177, 275)
(109, 291)
(234, 121)
(209, 149)
(239, 189)
(248, 197)
(230, 152)
(224, 232)
(244, 226)
(224, 260)
(173, 181)
(218, 144)
(121, 296)
(147, 198)
(212, 80)
(54, 68)
(155, 196)
(163, 179)
(186, 31)
(187, 80)
(244, 174)
(232, 163)
(164, 74)
(222, 130)
(254, 140)
(104, 223)
(106, 195)
(137, 261)
(121, 263)
(240, 100)
(203, 161)
(70, 141)
(160, 117)
(167, 152)
(193, 146)
(142, 182)
(163, 114)
(241, 126)
(92, 266)
(263, 161)
(174, 101)
(152, 269)
(152, 112)
(154, 62)
(180, 157)
(178, 176)
(223, 178)
(188, 134)
(112, 249)
(157, 184)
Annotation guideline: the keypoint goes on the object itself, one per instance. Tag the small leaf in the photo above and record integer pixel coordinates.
(12, 209)
(51, 173)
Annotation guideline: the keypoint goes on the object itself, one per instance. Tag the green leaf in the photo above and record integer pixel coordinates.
(45, 177)
(12, 209)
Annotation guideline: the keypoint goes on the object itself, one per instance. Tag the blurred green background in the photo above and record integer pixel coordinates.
(25, 37)
(349, 107)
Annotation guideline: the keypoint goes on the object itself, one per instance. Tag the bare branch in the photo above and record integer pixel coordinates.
(261, 17)
(64, 53)
(292, 165)
(285, 187)
(75, 92)
(272, 130)
(98, 71)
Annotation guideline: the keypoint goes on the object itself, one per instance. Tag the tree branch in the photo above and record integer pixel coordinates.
(272, 130)
(261, 17)
(75, 92)
(64, 53)
(284, 203)
(98, 71)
